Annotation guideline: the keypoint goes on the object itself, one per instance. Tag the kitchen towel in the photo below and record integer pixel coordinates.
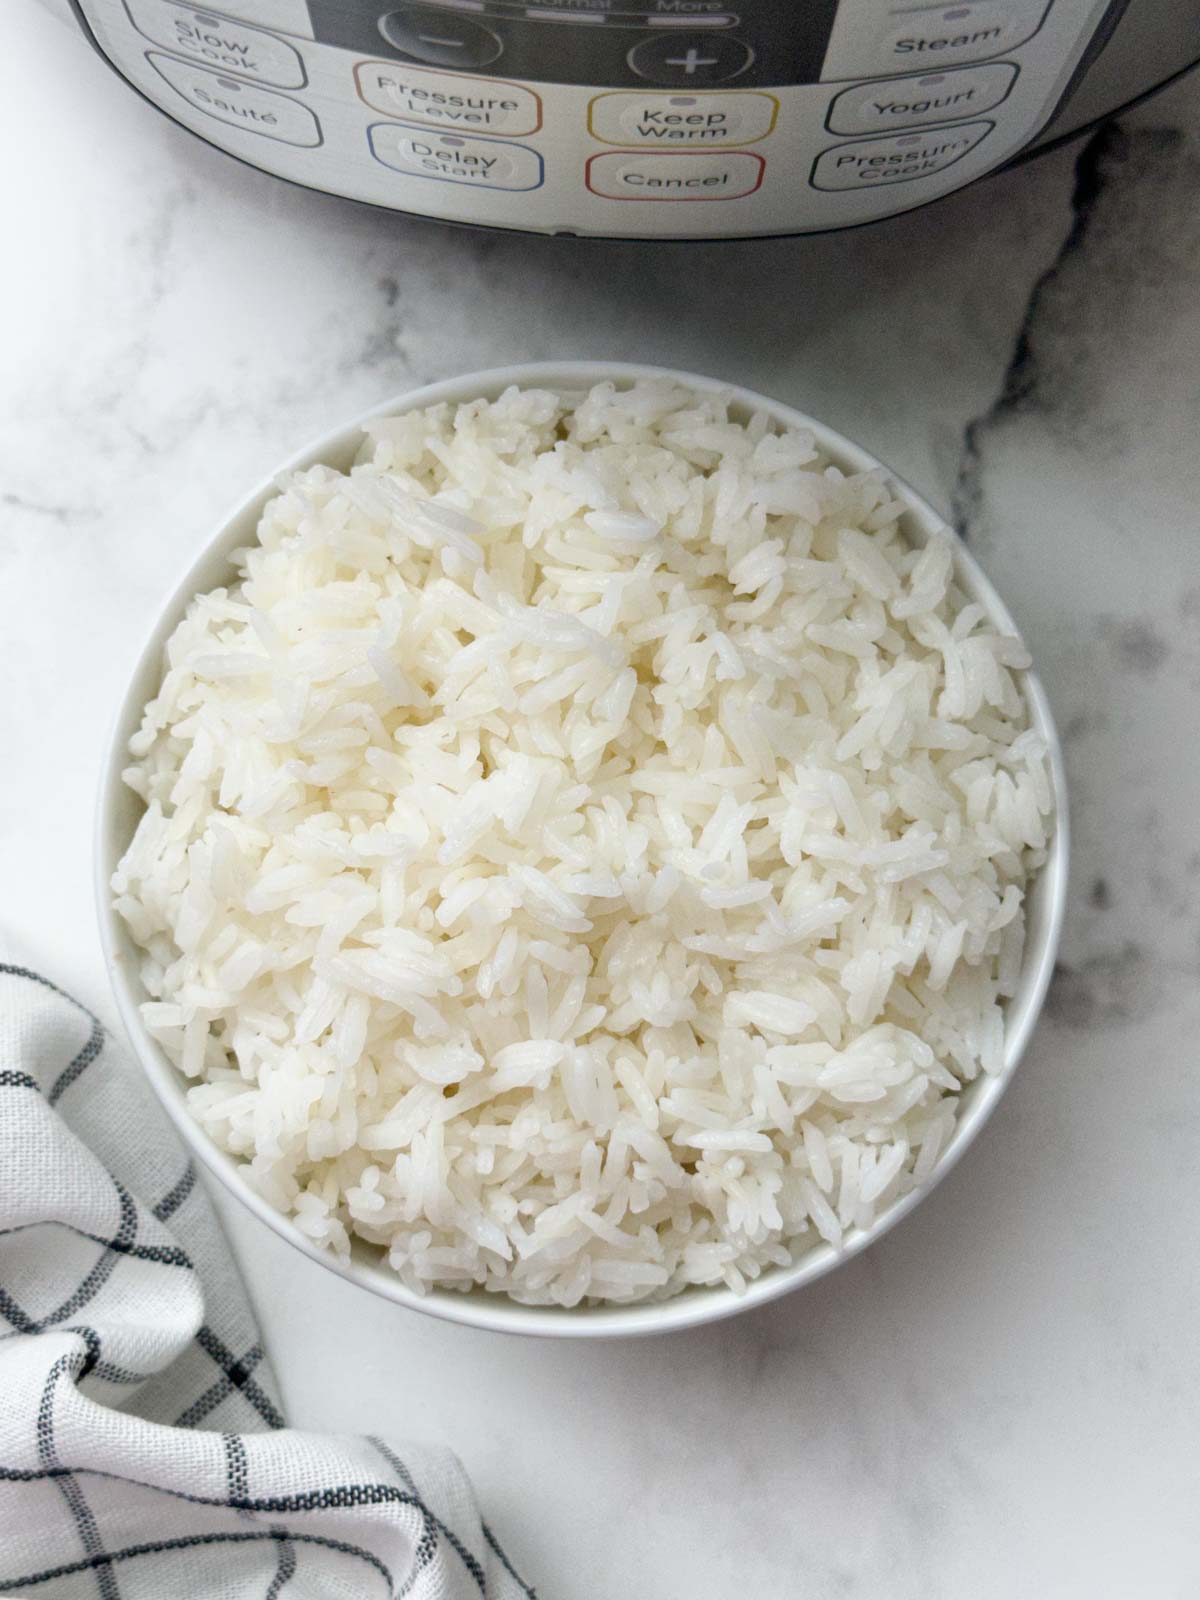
(142, 1449)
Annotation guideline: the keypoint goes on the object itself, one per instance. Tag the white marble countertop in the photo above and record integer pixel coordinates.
(1001, 1399)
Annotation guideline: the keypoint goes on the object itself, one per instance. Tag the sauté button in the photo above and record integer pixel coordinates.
(455, 158)
(229, 46)
(428, 33)
(690, 57)
(240, 104)
(872, 162)
(916, 102)
(682, 175)
(448, 100)
(727, 117)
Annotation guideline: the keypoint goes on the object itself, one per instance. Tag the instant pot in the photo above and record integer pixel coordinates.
(659, 119)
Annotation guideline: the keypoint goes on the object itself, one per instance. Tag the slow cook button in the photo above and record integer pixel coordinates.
(229, 46)
(627, 175)
(448, 99)
(914, 102)
(455, 158)
(728, 117)
(872, 162)
(241, 104)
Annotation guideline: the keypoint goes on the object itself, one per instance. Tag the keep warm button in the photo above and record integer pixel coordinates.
(455, 158)
(679, 175)
(871, 162)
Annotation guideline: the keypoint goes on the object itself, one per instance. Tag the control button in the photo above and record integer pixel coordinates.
(231, 46)
(241, 104)
(690, 58)
(289, 16)
(914, 102)
(870, 44)
(727, 117)
(448, 100)
(872, 162)
(455, 158)
(629, 175)
(439, 36)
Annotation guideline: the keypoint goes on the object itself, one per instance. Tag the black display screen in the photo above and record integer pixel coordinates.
(663, 43)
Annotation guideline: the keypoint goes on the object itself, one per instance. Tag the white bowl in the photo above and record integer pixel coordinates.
(119, 808)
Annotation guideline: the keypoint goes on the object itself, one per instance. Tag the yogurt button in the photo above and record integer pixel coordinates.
(871, 163)
(240, 104)
(915, 102)
(666, 121)
(454, 158)
(222, 44)
(681, 175)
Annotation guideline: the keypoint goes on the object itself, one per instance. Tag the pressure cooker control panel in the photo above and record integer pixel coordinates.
(672, 119)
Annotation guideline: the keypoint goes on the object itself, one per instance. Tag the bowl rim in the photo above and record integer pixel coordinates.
(492, 1310)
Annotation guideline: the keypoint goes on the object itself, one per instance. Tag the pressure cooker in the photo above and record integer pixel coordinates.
(641, 118)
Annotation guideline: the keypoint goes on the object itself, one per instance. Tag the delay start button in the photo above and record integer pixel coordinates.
(871, 162)
(680, 175)
(455, 158)
(724, 118)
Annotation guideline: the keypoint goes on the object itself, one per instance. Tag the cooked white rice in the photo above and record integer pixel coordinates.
(584, 853)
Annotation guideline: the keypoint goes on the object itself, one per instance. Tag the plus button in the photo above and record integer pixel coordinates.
(691, 61)
(693, 58)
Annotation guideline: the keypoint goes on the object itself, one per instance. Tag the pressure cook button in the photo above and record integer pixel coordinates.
(872, 162)
(438, 36)
(229, 46)
(681, 175)
(726, 117)
(690, 57)
(455, 158)
(241, 104)
(915, 102)
(449, 100)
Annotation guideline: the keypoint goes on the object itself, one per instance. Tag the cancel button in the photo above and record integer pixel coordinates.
(677, 175)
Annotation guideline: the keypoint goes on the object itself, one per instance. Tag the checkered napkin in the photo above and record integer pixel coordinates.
(143, 1455)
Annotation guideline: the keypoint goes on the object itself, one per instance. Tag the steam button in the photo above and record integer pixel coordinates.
(438, 37)
(690, 57)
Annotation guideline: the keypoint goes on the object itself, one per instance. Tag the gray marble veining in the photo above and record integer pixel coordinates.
(1002, 1398)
